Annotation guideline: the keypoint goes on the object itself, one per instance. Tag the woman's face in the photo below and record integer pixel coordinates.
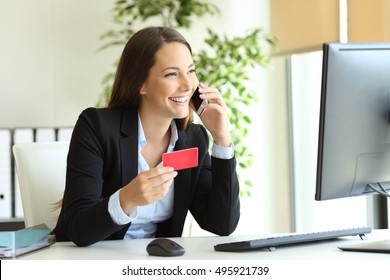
(171, 81)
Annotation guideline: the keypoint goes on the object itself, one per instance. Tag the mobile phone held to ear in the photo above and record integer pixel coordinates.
(198, 102)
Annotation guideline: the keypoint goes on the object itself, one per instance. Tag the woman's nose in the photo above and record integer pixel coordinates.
(186, 84)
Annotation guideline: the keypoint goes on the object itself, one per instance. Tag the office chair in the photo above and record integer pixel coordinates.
(41, 171)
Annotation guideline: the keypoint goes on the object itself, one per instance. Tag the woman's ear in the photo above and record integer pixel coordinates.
(142, 90)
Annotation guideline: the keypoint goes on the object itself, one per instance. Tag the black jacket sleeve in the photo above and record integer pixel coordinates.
(215, 203)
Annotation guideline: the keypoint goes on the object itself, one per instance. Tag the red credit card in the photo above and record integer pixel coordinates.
(181, 159)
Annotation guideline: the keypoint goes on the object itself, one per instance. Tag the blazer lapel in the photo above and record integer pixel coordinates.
(182, 190)
(129, 145)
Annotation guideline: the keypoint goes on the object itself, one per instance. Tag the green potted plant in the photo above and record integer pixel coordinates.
(226, 64)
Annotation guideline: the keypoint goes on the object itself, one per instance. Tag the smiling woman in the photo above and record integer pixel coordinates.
(116, 186)
(170, 83)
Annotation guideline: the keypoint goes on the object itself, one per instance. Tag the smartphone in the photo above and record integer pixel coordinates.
(198, 102)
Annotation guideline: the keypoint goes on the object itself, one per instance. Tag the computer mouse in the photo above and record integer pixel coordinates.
(165, 248)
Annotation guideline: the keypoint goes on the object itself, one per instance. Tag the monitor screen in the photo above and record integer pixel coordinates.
(354, 134)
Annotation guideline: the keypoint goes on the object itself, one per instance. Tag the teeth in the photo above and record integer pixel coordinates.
(179, 99)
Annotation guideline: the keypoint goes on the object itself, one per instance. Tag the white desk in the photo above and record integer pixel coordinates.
(202, 248)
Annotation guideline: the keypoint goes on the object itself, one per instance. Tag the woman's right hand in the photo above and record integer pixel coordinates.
(147, 187)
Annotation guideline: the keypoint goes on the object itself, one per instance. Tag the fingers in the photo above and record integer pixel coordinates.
(157, 176)
(148, 187)
(155, 182)
(211, 94)
(215, 117)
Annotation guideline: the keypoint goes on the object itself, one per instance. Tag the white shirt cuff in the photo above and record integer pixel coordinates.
(223, 152)
(116, 212)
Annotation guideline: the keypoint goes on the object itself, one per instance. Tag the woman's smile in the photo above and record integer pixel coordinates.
(182, 100)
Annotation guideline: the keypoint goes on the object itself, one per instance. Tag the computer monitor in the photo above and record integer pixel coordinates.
(354, 130)
(354, 134)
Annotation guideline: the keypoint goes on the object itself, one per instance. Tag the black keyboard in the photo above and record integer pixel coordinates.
(272, 242)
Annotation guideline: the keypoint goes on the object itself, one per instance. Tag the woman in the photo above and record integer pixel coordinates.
(116, 186)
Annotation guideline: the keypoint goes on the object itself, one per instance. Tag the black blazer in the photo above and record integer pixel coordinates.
(103, 157)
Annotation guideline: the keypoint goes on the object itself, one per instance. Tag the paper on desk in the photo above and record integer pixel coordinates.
(15, 243)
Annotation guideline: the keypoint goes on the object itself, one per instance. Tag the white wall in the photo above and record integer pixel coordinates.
(50, 70)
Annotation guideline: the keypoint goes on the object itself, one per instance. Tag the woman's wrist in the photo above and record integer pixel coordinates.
(224, 141)
(126, 205)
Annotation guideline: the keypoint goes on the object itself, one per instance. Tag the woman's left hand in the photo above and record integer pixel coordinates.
(215, 117)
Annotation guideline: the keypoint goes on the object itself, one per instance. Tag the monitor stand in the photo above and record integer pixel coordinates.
(382, 246)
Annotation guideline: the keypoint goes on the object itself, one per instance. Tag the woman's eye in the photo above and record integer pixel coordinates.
(192, 71)
(171, 74)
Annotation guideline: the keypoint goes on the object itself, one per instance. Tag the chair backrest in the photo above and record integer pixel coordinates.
(41, 169)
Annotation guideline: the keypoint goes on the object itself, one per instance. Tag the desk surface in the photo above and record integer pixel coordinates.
(202, 248)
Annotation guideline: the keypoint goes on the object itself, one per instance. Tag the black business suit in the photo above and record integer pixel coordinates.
(103, 157)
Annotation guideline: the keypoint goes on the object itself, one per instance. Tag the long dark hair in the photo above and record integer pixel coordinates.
(137, 58)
